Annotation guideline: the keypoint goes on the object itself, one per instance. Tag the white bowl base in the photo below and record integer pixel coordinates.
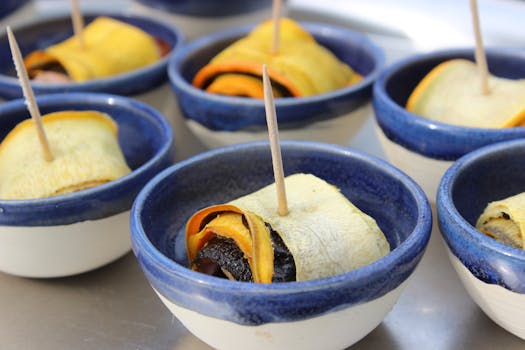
(334, 330)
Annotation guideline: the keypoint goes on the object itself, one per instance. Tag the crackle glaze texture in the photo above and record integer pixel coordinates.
(44, 32)
(217, 112)
(162, 208)
(491, 173)
(145, 138)
(426, 137)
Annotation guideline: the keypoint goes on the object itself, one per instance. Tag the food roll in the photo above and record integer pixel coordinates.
(324, 234)
(504, 220)
(85, 149)
(111, 47)
(301, 67)
(451, 93)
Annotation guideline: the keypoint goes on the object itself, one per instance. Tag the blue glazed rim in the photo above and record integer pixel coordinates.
(460, 140)
(180, 83)
(407, 254)
(10, 6)
(209, 8)
(68, 208)
(130, 83)
(467, 235)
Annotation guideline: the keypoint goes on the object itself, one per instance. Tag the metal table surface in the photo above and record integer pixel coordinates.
(115, 308)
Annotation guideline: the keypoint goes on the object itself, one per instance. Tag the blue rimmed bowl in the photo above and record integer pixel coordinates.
(7, 7)
(333, 117)
(78, 232)
(148, 84)
(201, 17)
(327, 313)
(492, 272)
(208, 8)
(423, 148)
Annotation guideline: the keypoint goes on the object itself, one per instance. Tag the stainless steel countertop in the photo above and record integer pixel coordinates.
(115, 308)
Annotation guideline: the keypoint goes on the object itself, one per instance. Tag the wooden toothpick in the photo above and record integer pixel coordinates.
(481, 59)
(78, 22)
(276, 17)
(273, 132)
(29, 95)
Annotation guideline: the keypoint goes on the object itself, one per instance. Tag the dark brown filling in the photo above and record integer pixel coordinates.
(221, 257)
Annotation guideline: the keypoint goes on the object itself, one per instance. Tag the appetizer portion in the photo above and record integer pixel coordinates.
(110, 47)
(450, 94)
(504, 220)
(324, 234)
(301, 67)
(86, 154)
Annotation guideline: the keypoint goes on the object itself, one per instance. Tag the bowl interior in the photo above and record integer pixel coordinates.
(402, 81)
(493, 176)
(46, 32)
(351, 50)
(219, 176)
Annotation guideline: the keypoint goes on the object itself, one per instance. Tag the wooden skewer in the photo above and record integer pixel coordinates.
(276, 16)
(29, 95)
(481, 59)
(273, 132)
(78, 22)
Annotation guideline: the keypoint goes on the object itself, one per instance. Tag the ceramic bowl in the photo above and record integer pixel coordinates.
(148, 84)
(327, 313)
(333, 117)
(423, 148)
(9, 6)
(492, 272)
(201, 17)
(78, 232)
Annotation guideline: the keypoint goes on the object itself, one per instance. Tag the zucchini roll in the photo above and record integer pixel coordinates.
(504, 220)
(110, 47)
(301, 67)
(323, 234)
(451, 94)
(86, 154)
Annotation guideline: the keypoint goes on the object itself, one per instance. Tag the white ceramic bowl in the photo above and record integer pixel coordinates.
(77, 232)
(332, 117)
(421, 147)
(201, 17)
(327, 313)
(493, 273)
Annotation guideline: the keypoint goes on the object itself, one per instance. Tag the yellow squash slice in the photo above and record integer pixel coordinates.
(111, 47)
(451, 93)
(85, 149)
(301, 66)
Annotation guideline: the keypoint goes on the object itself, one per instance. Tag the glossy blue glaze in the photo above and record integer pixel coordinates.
(208, 8)
(9, 6)
(491, 173)
(145, 138)
(426, 137)
(162, 208)
(218, 112)
(44, 32)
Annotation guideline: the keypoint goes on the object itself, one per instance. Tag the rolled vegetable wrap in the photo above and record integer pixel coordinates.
(86, 154)
(504, 220)
(451, 94)
(324, 234)
(110, 47)
(301, 67)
